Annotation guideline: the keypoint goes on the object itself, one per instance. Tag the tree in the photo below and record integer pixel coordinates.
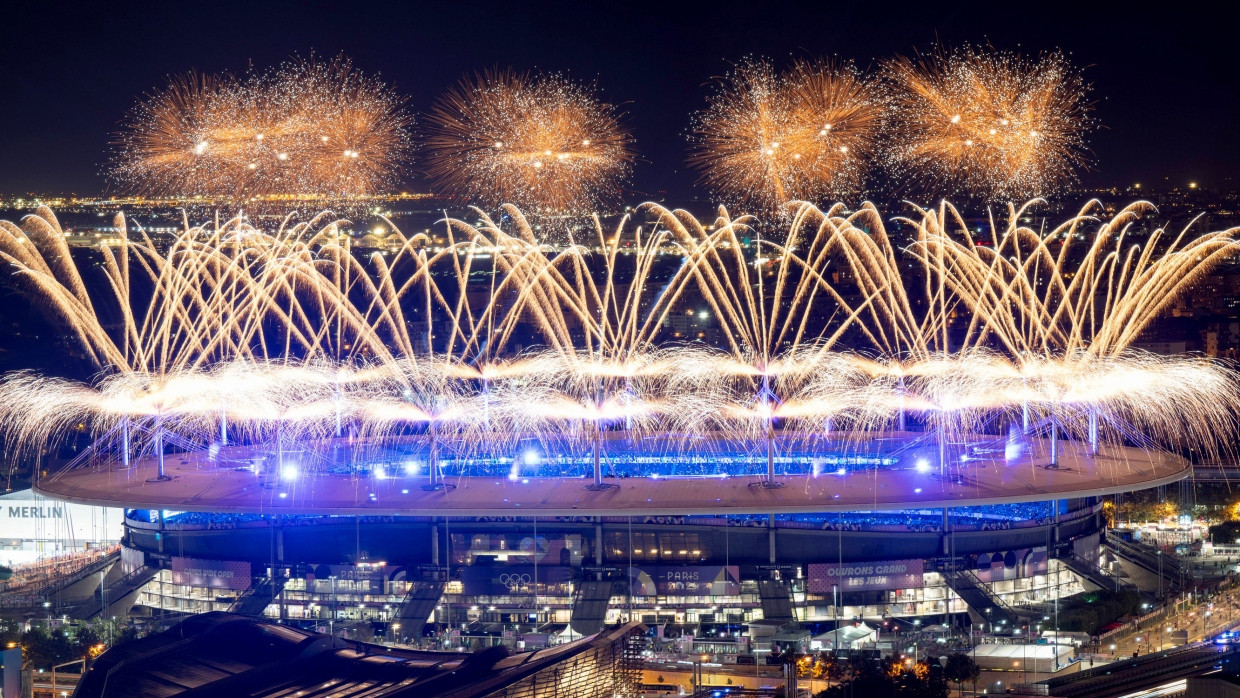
(85, 637)
(1225, 532)
(839, 671)
(961, 668)
(862, 677)
(42, 648)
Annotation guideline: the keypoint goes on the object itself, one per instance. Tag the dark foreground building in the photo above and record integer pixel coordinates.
(218, 654)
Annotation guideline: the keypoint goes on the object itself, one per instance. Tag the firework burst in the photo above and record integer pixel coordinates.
(310, 128)
(542, 142)
(807, 133)
(266, 334)
(989, 122)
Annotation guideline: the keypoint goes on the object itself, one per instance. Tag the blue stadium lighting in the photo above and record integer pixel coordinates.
(380, 473)
(841, 471)
(531, 457)
(289, 472)
(917, 491)
(412, 467)
(923, 465)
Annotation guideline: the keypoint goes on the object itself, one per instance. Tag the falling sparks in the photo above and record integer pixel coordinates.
(989, 122)
(194, 358)
(309, 128)
(541, 142)
(809, 133)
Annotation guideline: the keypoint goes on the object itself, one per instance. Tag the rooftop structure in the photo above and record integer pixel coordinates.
(221, 653)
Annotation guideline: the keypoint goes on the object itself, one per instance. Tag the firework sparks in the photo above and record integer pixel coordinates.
(989, 122)
(310, 128)
(808, 133)
(193, 358)
(541, 142)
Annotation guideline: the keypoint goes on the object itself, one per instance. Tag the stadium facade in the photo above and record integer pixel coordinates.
(538, 557)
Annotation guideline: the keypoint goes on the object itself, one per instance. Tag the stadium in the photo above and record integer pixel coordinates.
(552, 553)
(480, 437)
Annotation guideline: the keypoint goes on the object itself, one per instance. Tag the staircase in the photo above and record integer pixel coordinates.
(1094, 574)
(984, 603)
(590, 605)
(256, 599)
(65, 581)
(776, 600)
(419, 602)
(1149, 559)
(115, 593)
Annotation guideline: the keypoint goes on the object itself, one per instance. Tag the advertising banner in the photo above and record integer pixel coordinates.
(505, 580)
(866, 576)
(367, 579)
(213, 574)
(685, 580)
(34, 526)
(1010, 564)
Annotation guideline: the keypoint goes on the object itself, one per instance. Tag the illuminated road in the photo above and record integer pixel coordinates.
(1134, 677)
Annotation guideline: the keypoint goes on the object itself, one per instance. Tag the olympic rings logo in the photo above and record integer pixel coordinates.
(515, 581)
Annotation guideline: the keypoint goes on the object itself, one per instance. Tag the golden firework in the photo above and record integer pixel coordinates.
(233, 330)
(989, 122)
(309, 128)
(541, 142)
(808, 133)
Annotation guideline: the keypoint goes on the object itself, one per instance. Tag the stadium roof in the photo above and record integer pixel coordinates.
(201, 484)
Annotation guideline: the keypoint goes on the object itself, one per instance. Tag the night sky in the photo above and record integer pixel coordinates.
(1166, 83)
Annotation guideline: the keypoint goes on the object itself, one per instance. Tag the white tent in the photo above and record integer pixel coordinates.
(565, 635)
(1039, 658)
(851, 637)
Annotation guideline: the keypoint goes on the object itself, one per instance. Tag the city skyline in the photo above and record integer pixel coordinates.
(1155, 86)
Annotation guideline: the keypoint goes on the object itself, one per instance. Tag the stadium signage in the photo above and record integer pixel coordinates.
(36, 513)
(30, 523)
(866, 576)
(704, 580)
(213, 574)
(363, 576)
(514, 580)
